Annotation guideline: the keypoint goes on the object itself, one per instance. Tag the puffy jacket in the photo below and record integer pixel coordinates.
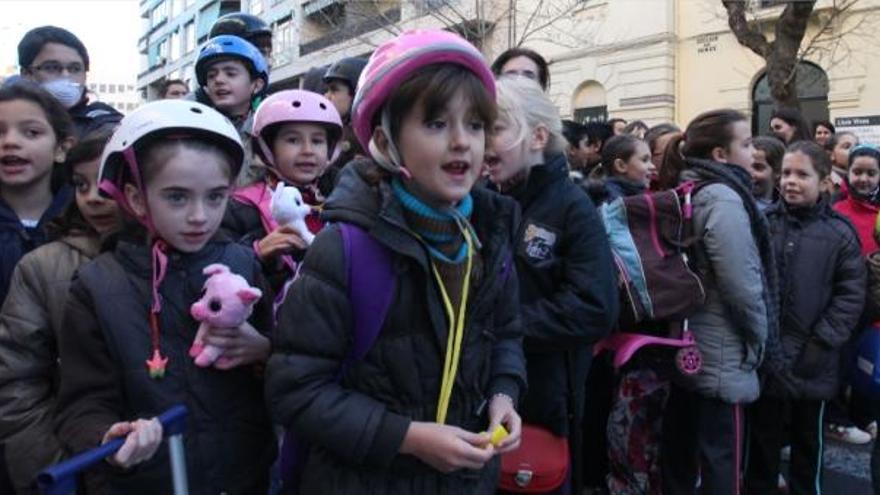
(568, 291)
(863, 215)
(16, 239)
(30, 322)
(355, 427)
(731, 328)
(229, 440)
(822, 279)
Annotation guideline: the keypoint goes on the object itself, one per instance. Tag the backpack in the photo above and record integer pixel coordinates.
(650, 235)
(371, 287)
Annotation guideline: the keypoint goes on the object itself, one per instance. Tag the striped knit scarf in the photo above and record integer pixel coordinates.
(442, 235)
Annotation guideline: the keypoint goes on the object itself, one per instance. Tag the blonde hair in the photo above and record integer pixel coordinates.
(523, 103)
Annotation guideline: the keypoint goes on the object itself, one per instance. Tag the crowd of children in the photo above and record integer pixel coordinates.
(481, 207)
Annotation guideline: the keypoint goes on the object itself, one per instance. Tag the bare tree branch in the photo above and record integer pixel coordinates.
(747, 35)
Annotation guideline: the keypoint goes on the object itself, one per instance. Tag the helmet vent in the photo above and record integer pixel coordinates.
(296, 104)
(195, 110)
(323, 106)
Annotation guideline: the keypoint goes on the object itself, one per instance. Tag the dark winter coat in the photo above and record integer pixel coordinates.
(822, 282)
(229, 440)
(568, 290)
(356, 427)
(31, 319)
(16, 239)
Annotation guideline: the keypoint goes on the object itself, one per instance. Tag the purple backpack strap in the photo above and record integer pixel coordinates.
(371, 285)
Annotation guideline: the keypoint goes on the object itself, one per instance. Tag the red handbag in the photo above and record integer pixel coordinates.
(539, 465)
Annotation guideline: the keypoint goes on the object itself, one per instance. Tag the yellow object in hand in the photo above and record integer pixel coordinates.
(498, 434)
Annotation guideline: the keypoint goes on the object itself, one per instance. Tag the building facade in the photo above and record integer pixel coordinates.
(172, 31)
(124, 97)
(654, 60)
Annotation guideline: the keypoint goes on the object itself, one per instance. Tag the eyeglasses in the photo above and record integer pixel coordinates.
(56, 68)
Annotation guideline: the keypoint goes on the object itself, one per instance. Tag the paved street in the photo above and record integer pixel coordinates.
(847, 469)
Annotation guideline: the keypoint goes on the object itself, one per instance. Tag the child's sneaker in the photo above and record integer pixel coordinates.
(848, 434)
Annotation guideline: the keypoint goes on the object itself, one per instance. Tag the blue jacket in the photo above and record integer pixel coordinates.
(16, 239)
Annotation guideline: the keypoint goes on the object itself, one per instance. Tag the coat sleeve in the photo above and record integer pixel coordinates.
(842, 314)
(736, 264)
(90, 397)
(508, 360)
(873, 297)
(314, 336)
(584, 306)
(28, 360)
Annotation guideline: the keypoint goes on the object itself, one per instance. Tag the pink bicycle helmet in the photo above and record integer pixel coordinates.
(296, 105)
(397, 59)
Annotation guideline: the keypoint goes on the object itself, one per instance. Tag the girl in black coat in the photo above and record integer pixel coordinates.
(447, 363)
(125, 353)
(822, 283)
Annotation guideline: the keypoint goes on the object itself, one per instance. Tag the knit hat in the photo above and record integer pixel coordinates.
(34, 40)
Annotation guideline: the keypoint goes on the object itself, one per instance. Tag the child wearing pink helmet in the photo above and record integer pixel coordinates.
(447, 365)
(296, 134)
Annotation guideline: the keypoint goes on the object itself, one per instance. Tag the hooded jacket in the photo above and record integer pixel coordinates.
(863, 215)
(355, 426)
(16, 239)
(822, 279)
(229, 440)
(30, 322)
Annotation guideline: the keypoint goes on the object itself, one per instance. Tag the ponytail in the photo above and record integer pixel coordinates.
(709, 130)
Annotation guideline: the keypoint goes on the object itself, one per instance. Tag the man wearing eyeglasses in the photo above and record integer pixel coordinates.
(57, 60)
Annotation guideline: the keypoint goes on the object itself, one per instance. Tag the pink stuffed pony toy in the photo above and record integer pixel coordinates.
(228, 301)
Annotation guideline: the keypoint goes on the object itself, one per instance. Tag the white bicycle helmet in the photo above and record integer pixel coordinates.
(165, 117)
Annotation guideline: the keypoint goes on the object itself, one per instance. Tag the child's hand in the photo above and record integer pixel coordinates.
(143, 438)
(282, 240)
(242, 345)
(446, 448)
(501, 412)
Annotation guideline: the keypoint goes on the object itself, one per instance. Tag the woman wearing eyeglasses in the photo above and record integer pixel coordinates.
(57, 60)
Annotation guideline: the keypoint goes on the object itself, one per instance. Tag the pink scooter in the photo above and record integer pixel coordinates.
(624, 345)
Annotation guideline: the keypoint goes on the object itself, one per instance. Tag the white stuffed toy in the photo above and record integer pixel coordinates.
(289, 209)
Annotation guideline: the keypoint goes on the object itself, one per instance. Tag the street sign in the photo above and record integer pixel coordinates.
(867, 128)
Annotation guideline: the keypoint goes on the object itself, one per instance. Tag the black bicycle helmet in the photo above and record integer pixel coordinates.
(347, 70)
(241, 25)
(246, 26)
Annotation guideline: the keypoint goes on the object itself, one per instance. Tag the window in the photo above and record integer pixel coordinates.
(189, 37)
(256, 7)
(176, 8)
(282, 42)
(112, 88)
(175, 45)
(158, 14)
(812, 91)
(190, 3)
(162, 51)
(102, 88)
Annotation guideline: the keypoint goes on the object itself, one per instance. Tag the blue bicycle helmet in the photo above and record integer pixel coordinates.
(231, 46)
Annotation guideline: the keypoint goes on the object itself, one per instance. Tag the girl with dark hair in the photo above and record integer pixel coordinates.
(860, 200)
(35, 134)
(32, 318)
(822, 132)
(822, 281)
(523, 62)
(838, 149)
(448, 362)
(789, 125)
(702, 429)
(766, 167)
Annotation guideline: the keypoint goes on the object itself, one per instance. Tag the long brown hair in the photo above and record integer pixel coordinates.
(707, 131)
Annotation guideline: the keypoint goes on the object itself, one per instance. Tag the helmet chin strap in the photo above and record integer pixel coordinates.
(392, 161)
